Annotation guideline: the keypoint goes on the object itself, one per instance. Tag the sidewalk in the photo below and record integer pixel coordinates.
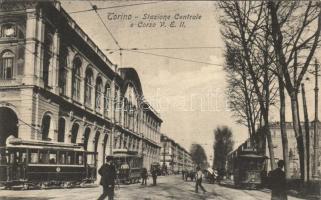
(294, 193)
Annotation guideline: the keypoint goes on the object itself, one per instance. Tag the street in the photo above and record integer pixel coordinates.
(169, 187)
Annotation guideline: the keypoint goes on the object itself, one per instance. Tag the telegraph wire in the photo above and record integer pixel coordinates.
(169, 48)
(39, 131)
(175, 58)
(120, 6)
(95, 8)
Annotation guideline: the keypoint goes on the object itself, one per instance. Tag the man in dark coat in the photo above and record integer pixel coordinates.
(154, 175)
(278, 183)
(108, 176)
(144, 176)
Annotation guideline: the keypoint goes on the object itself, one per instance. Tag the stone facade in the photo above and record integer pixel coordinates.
(57, 86)
(292, 145)
(174, 156)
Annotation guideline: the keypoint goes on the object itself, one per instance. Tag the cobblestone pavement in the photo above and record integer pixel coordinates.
(169, 187)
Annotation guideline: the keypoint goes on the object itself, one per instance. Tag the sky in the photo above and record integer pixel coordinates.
(190, 96)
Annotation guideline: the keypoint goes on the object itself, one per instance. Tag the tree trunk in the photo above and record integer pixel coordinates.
(269, 140)
(307, 133)
(298, 134)
(284, 136)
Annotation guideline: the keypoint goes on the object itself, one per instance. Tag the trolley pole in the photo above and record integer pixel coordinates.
(316, 120)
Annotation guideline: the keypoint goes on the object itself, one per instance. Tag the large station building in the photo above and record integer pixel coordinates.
(57, 86)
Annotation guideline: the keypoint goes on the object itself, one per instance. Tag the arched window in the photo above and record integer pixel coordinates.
(63, 70)
(125, 111)
(74, 133)
(8, 30)
(107, 98)
(48, 54)
(61, 130)
(88, 86)
(76, 78)
(6, 65)
(45, 127)
(86, 138)
(96, 140)
(98, 93)
(117, 104)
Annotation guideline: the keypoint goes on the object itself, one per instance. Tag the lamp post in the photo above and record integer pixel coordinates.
(316, 120)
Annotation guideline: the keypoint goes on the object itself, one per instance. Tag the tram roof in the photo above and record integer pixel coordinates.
(252, 156)
(19, 143)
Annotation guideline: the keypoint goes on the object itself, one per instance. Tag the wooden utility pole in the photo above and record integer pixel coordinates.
(316, 120)
(307, 131)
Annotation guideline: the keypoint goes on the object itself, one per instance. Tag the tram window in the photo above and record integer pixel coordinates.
(43, 157)
(79, 159)
(23, 157)
(11, 159)
(3, 159)
(70, 158)
(90, 159)
(52, 158)
(33, 157)
(62, 157)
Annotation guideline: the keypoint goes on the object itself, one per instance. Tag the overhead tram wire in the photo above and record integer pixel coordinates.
(175, 58)
(95, 8)
(120, 6)
(169, 48)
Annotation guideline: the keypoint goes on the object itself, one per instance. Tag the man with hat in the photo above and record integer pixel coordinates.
(108, 175)
(278, 183)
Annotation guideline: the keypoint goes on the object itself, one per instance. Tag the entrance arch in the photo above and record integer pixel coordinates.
(8, 124)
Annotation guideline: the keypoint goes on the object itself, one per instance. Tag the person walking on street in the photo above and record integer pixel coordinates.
(154, 175)
(278, 183)
(144, 176)
(199, 177)
(108, 174)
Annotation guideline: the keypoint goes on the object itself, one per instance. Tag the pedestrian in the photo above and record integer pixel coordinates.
(278, 183)
(108, 174)
(199, 177)
(183, 174)
(144, 176)
(154, 175)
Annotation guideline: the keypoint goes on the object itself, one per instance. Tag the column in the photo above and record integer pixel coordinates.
(55, 63)
(30, 51)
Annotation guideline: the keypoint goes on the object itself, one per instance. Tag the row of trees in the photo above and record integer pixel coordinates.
(269, 47)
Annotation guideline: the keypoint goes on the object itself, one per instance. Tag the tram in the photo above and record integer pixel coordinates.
(249, 169)
(128, 165)
(43, 164)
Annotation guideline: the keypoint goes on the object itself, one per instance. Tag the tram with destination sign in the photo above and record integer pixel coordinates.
(128, 165)
(248, 168)
(44, 164)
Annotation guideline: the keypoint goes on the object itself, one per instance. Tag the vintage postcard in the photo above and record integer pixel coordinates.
(159, 100)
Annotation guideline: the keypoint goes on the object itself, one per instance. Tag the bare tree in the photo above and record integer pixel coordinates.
(295, 29)
(242, 23)
(242, 99)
